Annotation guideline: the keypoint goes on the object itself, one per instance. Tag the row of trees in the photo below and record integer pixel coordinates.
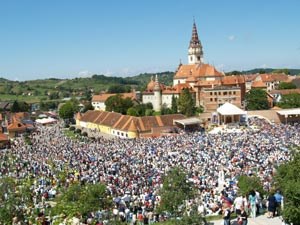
(257, 99)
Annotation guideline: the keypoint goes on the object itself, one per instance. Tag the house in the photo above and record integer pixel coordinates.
(125, 126)
(98, 101)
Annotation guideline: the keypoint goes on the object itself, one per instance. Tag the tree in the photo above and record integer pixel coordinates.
(285, 71)
(174, 192)
(257, 99)
(132, 112)
(82, 199)
(67, 110)
(87, 107)
(117, 104)
(15, 196)
(290, 101)
(186, 103)
(248, 183)
(287, 180)
(286, 85)
(117, 88)
(19, 107)
(174, 105)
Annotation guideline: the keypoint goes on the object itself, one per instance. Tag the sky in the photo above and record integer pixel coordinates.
(79, 38)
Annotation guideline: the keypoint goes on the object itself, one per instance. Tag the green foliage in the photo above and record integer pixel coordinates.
(186, 103)
(285, 71)
(290, 101)
(175, 191)
(235, 72)
(248, 183)
(19, 107)
(87, 107)
(82, 199)
(174, 106)
(286, 85)
(141, 110)
(166, 111)
(48, 105)
(67, 110)
(149, 112)
(118, 104)
(132, 112)
(257, 99)
(287, 180)
(117, 88)
(14, 195)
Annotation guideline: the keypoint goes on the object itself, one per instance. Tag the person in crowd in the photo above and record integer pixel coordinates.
(252, 203)
(279, 202)
(243, 217)
(271, 205)
(133, 169)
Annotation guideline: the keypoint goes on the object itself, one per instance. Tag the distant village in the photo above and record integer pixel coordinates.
(221, 98)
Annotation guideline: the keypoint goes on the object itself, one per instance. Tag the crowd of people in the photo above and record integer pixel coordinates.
(133, 169)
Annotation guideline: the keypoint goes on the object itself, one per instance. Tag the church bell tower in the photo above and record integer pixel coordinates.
(195, 55)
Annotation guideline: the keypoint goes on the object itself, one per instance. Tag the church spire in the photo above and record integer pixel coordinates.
(195, 47)
(195, 39)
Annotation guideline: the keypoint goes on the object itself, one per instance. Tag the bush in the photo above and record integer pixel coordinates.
(78, 131)
(72, 128)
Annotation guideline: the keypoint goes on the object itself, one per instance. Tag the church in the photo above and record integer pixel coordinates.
(210, 87)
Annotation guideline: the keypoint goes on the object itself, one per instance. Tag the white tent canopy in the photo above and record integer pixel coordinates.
(46, 120)
(228, 109)
(188, 121)
(289, 112)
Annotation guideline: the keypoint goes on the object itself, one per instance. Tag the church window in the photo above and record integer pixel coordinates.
(191, 58)
(211, 99)
(198, 58)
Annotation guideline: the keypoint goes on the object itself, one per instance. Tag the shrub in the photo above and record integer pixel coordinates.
(78, 131)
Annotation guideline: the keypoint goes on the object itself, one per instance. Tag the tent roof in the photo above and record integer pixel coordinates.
(188, 121)
(288, 112)
(46, 120)
(230, 109)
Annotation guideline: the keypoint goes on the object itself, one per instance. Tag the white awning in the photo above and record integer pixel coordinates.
(45, 120)
(230, 109)
(188, 121)
(289, 112)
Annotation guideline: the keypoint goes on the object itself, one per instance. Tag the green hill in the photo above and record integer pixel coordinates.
(53, 88)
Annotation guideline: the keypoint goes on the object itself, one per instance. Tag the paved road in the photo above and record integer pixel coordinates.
(260, 220)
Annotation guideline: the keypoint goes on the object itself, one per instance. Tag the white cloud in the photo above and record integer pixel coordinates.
(231, 37)
(84, 73)
(264, 66)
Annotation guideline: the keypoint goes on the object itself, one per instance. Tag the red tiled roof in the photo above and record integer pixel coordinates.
(232, 80)
(286, 91)
(104, 97)
(16, 125)
(258, 84)
(111, 119)
(250, 77)
(3, 137)
(124, 122)
(197, 70)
